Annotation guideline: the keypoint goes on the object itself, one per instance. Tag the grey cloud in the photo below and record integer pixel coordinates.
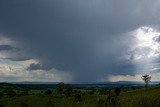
(37, 66)
(18, 58)
(8, 48)
(157, 39)
(34, 66)
(82, 36)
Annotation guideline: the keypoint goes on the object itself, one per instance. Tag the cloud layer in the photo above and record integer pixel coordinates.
(88, 39)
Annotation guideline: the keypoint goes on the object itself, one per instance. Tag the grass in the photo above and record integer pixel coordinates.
(134, 98)
(141, 98)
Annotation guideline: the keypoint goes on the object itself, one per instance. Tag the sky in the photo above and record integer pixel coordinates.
(79, 41)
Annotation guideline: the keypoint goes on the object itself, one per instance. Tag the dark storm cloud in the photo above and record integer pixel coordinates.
(18, 58)
(34, 66)
(37, 66)
(81, 36)
(8, 48)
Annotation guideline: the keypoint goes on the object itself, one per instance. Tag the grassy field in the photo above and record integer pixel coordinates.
(149, 97)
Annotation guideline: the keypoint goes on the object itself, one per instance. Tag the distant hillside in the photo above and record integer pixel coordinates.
(45, 85)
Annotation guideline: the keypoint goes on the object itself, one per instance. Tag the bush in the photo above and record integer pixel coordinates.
(117, 90)
(48, 92)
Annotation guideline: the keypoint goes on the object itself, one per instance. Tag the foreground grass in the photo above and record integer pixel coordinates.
(43, 101)
(141, 98)
(135, 98)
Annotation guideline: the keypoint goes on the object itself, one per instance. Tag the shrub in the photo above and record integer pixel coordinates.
(48, 92)
(117, 90)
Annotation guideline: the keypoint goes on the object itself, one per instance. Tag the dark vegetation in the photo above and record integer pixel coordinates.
(65, 95)
(146, 78)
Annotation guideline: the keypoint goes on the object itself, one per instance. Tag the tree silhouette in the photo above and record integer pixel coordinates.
(146, 78)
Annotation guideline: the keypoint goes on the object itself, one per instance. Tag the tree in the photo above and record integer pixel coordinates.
(48, 92)
(146, 78)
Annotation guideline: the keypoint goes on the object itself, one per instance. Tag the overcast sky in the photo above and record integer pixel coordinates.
(79, 40)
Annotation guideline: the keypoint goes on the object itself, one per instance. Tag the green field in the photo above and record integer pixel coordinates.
(149, 97)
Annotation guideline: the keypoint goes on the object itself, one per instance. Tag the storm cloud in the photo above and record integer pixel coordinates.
(7, 48)
(89, 38)
(37, 66)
